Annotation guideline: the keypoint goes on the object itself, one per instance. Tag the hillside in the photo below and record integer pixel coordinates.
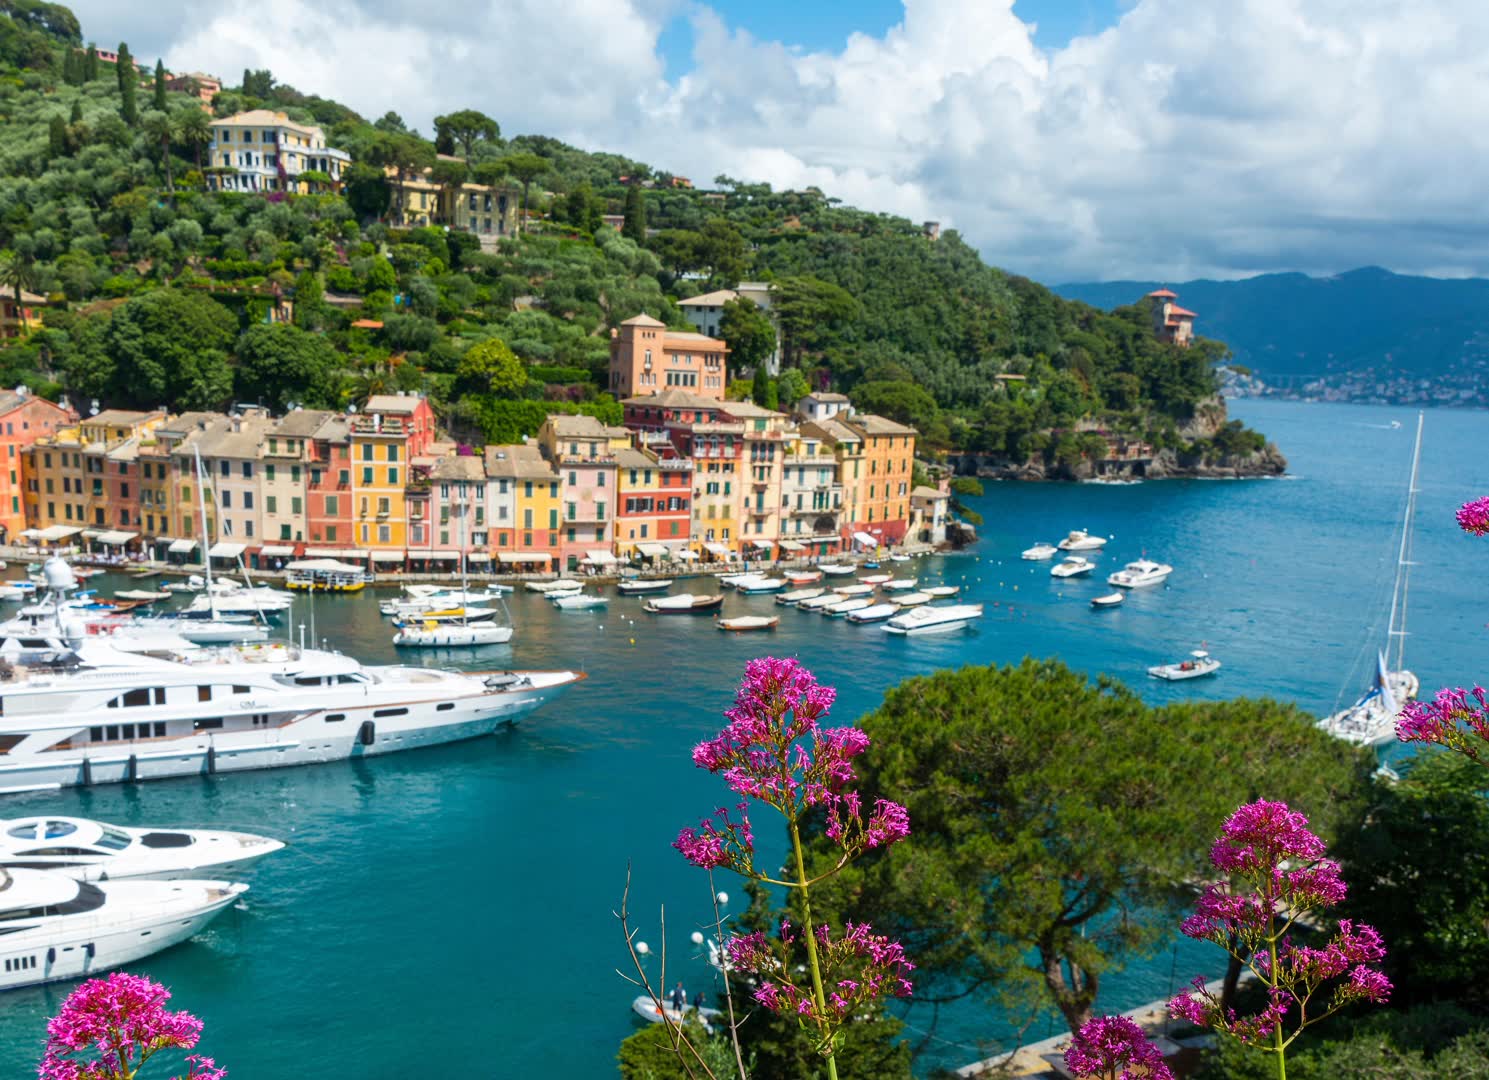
(162, 290)
(1286, 326)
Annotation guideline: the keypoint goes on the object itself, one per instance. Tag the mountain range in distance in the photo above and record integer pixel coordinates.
(1292, 327)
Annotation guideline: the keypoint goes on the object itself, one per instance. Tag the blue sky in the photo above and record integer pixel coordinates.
(826, 26)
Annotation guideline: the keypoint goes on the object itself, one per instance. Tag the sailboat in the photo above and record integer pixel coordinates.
(470, 627)
(1371, 720)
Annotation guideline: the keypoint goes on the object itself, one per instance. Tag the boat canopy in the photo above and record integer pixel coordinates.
(323, 566)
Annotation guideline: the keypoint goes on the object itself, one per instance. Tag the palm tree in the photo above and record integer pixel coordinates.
(18, 272)
(194, 128)
(161, 127)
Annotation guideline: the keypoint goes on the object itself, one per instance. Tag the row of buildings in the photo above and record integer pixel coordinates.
(687, 478)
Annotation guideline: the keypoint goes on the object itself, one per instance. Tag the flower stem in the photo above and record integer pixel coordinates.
(1277, 1031)
(806, 907)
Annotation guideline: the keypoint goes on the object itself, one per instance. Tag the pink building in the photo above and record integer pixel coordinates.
(583, 450)
(648, 358)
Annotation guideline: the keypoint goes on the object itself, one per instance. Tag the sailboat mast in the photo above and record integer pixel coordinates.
(201, 479)
(1396, 627)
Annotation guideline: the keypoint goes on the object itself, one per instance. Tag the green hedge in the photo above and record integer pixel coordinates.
(503, 421)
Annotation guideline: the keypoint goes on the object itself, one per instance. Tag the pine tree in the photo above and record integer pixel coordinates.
(127, 107)
(77, 113)
(90, 64)
(160, 102)
(124, 64)
(634, 225)
(70, 68)
(56, 137)
(247, 80)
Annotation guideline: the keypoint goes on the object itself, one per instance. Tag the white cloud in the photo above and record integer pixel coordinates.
(1189, 139)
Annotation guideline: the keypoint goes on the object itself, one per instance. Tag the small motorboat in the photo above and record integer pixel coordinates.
(912, 599)
(96, 851)
(934, 619)
(141, 596)
(871, 564)
(941, 592)
(836, 569)
(732, 580)
(640, 586)
(1079, 540)
(578, 601)
(899, 558)
(812, 603)
(1199, 663)
(558, 585)
(647, 1008)
(749, 622)
(876, 579)
(684, 604)
(904, 584)
(194, 583)
(1108, 601)
(873, 613)
(1039, 552)
(863, 588)
(761, 584)
(796, 596)
(1140, 574)
(17, 590)
(803, 577)
(1071, 567)
(842, 607)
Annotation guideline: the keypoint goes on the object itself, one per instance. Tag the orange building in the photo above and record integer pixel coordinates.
(648, 358)
(654, 506)
(23, 419)
(1171, 323)
(882, 506)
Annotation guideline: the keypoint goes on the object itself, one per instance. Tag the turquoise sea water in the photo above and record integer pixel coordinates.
(454, 905)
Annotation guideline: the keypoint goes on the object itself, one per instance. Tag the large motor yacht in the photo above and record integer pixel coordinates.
(934, 619)
(56, 927)
(103, 715)
(96, 851)
(1079, 540)
(1140, 574)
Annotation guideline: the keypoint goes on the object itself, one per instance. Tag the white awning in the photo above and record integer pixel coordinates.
(30, 534)
(60, 532)
(524, 556)
(437, 555)
(601, 557)
(656, 551)
(764, 545)
(792, 545)
(478, 556)
(225, 549)
(721, 550)
(276, 551)
(866, 540)
(92, 534)
(182, 547)
(335, 553)
(387, 556)
(325, 566)
(685, 555)
(115, 537)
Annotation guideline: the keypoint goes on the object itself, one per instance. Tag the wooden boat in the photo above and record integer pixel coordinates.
(803, 577)
(813, 603)
(1110, 600)
(874, 613)
(861, 589)
(940, 592)
(684, 604)
(637, 586)
(836, 569)
(749, 622)
(876, 579)
(911, 599)
(904, 584)
(796, 596)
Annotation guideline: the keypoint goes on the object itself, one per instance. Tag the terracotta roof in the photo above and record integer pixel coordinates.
(717, 298)
(392, 403)
(368, 324)
(1163, 294)
(456, 467)
(676, 399)
(643, 320)
(1182, 313)
(521, 461)
(924, 492)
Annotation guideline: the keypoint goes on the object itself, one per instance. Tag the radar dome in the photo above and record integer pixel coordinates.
(58, 574)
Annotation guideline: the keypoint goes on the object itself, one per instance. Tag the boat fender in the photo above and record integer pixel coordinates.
(51, 956)
(367, 733)
(211, 759)
(90, 950)
(87, 772)
(132, 771)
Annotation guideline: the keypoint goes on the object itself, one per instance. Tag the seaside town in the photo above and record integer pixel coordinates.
(596, 620)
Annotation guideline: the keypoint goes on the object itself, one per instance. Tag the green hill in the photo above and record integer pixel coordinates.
(159, 287)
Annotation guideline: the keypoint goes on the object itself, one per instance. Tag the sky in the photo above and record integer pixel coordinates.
(1064, 139)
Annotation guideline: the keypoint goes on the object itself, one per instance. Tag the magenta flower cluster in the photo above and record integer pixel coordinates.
(1114, 1048)
(859, 969)
(1457, 719)
(1281, 861)
(107, 1028)
(1473, 517)
(775, 751)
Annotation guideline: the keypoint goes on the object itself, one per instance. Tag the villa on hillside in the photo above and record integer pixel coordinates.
(646, 357)
(416, 198)
(1171, 323)
(706, 311)
(264, 151)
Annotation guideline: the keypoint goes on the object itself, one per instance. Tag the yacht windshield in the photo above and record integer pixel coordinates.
(114, 840)
(59, 828)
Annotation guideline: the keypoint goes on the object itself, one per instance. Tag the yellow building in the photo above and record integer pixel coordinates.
(416, 199)
(262, 150)
(528, 538)
(70, 484)
(883, 501)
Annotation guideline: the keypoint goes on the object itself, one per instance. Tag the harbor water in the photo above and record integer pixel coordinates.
(454, 905)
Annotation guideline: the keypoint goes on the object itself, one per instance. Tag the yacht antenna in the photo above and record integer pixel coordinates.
(1399, 594)
(201, 479)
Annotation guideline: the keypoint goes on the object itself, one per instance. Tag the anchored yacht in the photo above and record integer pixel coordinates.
(96, 851)
(1080, 540)
(57, 927)
(1140, 574)
(102, 715)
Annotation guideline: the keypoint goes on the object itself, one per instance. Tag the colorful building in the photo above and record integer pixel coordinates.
(24, 418)
(68, 468)
(764, 439)
(811, 495)
(416, 199)
(532, 483)
(882, 504)
(262, 150)
(653, 514)
(1171, 323)
(19, 318)
(648, 358)
(285, 455)
(232, 469)
(328, 488)
(384, 438)
(583, 450)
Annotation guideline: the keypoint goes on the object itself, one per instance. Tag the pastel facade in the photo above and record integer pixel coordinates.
(18, 318)
(415, 199)
(811, 494)
(583, 450)
(654, 512)
(24, 418)
(198, 84)
(882, 504)
(266, 151)
(648, 358)
(532, 483)
(384, 439)
(764, 441)
(69, 470)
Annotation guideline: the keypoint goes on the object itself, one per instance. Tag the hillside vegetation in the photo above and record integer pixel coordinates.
(160, 290)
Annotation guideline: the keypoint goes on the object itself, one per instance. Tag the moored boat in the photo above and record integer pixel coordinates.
(934, 619)
(1199, 663)
(1072, 567)
(906, 584)
(683, 604)
(911, 599)
(1039, 552)
(761, 584)
(1110, 600)
(749, 622)
(796, 596)
(836, 569)
(842, 607)
(1140, 574)
(1080, 540)
(876, 579)
(450, 635)
(860, 589)
(578, 601)
(941, 592)
(96, 851)
(640, 586)
(873, 613)
(821, 601)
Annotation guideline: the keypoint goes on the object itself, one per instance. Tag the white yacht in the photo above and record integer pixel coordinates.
(547, 588)
(418, 599)
(1199, 663)
(1078, 540)
(934, 619)
(642, 586)
(96, 851)
(103, 715)
(1371, 720)
(57, 927)
(1071, 567)
(1039, 552)
(578, 601)
(1140, 574)
(457, 634)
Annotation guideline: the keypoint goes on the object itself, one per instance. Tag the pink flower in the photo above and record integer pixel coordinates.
(1473, 517)
(1260, 835)
(123, 1019)
(1367, 984)
(1106, 1044)
(1449, 719)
